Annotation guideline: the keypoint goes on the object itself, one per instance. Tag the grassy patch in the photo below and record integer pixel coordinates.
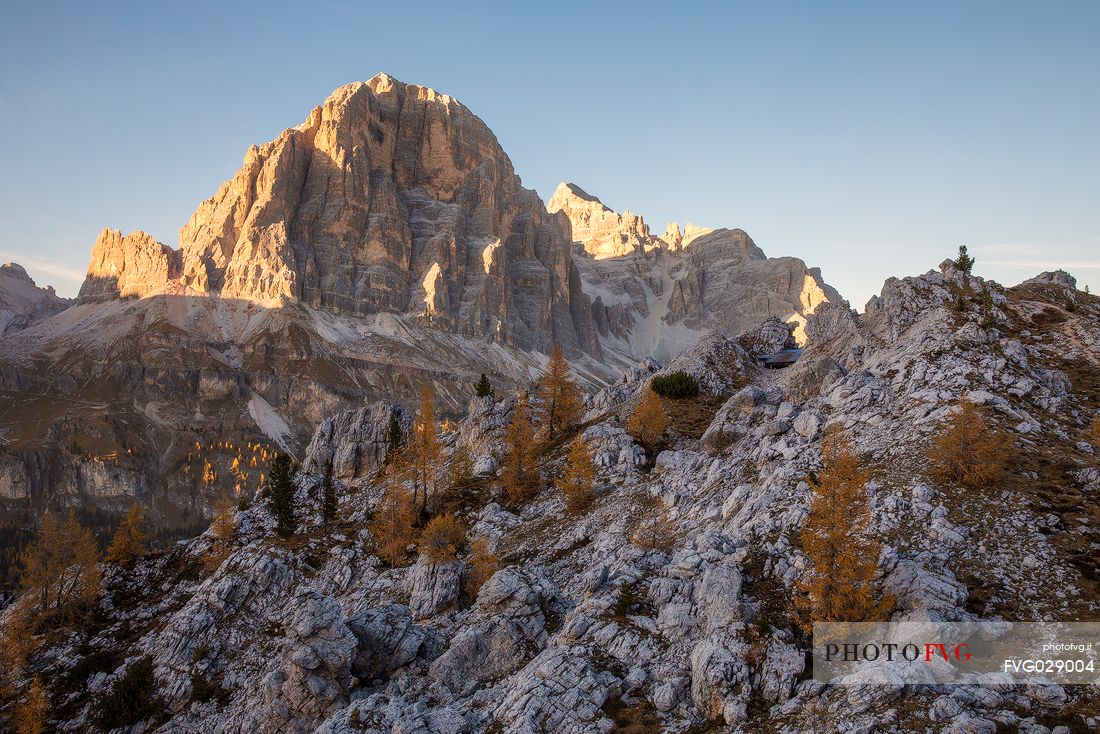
(690, 417)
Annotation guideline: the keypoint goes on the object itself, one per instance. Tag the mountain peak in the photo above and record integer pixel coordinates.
(568, 191)
(603, 232)
(382, 84)
(384, 79)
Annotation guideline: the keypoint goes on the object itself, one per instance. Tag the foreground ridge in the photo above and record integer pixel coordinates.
(669, 602)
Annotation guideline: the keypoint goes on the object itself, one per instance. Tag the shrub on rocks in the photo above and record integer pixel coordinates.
(441, 538)
(130, 699)
(482, 565)
(675, 385)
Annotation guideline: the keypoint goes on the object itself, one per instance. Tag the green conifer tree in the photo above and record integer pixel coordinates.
(280, 486)
(394, 436)
(964, 262)
(483, 389)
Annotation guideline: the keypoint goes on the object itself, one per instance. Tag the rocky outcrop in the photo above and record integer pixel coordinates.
(388, 640)
(433, 587)
(131, 266)
(718, 677)
(509, 621)
(719, 364)
(558, 691)
(769, 337)
(355, 441)
(482, 429)
(22, 303)
(1056, 277)
(312, 681)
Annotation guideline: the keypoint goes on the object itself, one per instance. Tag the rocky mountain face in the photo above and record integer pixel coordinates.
(602, 232)
(382, 244)
(655, 297)
(389, 198)
(585, 627)
(22, 303)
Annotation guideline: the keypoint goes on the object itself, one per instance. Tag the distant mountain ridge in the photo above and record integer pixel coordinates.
(22, 302)
(657, 296)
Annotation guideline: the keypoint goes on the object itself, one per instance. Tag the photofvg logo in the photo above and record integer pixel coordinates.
(982, 653)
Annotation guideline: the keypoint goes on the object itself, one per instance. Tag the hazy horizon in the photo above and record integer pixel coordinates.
(869, 141)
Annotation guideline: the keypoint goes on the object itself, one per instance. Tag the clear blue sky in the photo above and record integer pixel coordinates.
(869, 138)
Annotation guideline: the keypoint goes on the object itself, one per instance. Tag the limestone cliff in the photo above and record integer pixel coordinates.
(134, 265)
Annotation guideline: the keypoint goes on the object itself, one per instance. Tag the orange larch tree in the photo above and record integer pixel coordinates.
(392, 524)
(223, 528)
(460, 473)
(61, 572)
(655, 533)
(520, 473)
(578, 478)
(560, 405)
(649, 421)
(423, 450)
(128, 543)
(482, 566)
(968, 450)
(442, 538)
(31, 709)
(840, 585)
